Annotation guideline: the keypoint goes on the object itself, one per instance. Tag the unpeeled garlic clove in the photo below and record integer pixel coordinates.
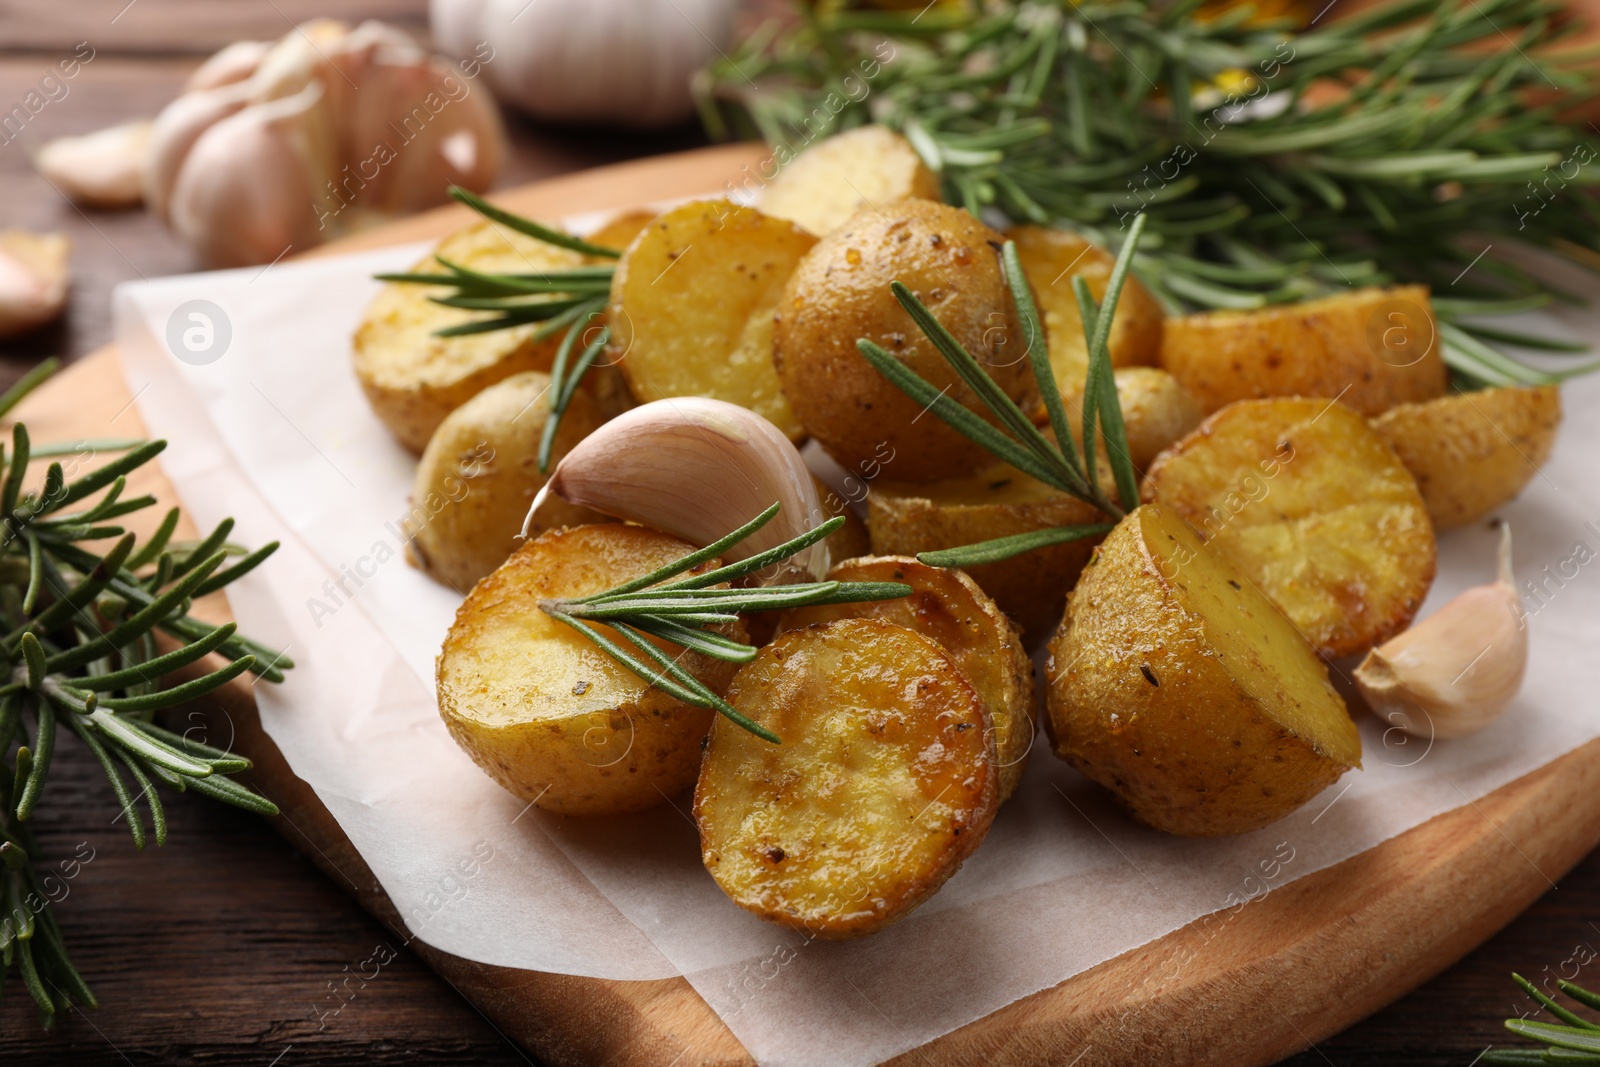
(234, 63)
(179, 126)
(697, 469)
(103, 169)
(33, 279)
(1456, 671)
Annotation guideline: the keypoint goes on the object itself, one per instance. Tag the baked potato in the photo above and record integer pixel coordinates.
(947, 606)
(1370, 348)
(542, 709)
(905, 519)
(619, 231)
(861, 169)
(1157, 410)
(1316, 510)
(692, 304)
(1472, 452)
(411, 377)
(1185, 692)
(478, 476)
(884, 783)
(840, 293)
(1051, 258)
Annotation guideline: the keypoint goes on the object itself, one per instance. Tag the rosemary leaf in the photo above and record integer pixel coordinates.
(1000, 548)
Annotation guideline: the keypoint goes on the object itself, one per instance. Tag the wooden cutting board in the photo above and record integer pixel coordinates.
(1290, 968)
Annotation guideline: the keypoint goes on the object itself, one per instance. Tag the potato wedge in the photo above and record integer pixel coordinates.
(1318, 512)
(866, 167)
(478, 476)
(1051, 258)
(840, 293)
(1370, 348)
(1180, 688)
(885, 781)
(545, 712)
(1473, 452)
(1157, 410)
(947, 606)
(905, 519)
(692, 304)
(412, 378)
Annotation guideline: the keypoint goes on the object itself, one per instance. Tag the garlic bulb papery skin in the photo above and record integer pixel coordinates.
(1453, 673)
(697, 469)
(627, 62)
(33, 279)
(103, 169)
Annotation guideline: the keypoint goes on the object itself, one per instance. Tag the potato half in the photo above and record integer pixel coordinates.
(1180, 688)
(543, 710)
(1473, 452)
(840, 293)
(947, 606)
(1051, 258)
(1157, 410)
(1371, 348)
(1318, 512)
(905, 519)
(692, 304)
(885, 781)
(412, 378)
(866, 167)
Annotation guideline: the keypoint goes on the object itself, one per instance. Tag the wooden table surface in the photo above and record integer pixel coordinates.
(226, 946)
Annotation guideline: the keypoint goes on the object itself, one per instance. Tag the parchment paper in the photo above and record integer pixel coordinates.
(277, 433)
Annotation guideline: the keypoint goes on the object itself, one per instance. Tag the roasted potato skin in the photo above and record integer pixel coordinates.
(840, 293)
(544, 711)
(1051, 258)
(1316, 510)
(949, 607)
(692, 304)
(1157, 411)
(905, 519)
(884, 783)
(1182, 709)
(478, 476)
(1370, 348)
(412, 378)
(867, 167)
(1473, 452)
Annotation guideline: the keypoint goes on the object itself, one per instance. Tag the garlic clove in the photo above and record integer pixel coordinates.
(1457, 670)
(252, 186)
(33, 279)
(295, 59)
(697, 469)
(234, 63)
(180, 124)
(103, 169)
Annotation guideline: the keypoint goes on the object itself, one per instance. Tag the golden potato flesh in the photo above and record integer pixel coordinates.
(1370, 348)
(1157, 410)
(1184, 691)
(412, 378)
(840, 293)
(478, 476)
(1473, 452)
(1051, 258)
(692, 304)
(542, 709)
(905, 519)
(863, 168)
(883, 785)
(1318, 512)
(947, 606)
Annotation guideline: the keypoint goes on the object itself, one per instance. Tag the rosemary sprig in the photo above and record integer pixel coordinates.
(79, 641)
(1574, 1040)
(1273, 165)
(1016, 440)
(559, 301)
(678, 612)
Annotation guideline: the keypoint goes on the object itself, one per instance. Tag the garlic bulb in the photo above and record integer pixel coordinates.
(103, 170)
(622, 61)
(377, 126)
(697, 469)
(33, 279)
(1458, 669)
